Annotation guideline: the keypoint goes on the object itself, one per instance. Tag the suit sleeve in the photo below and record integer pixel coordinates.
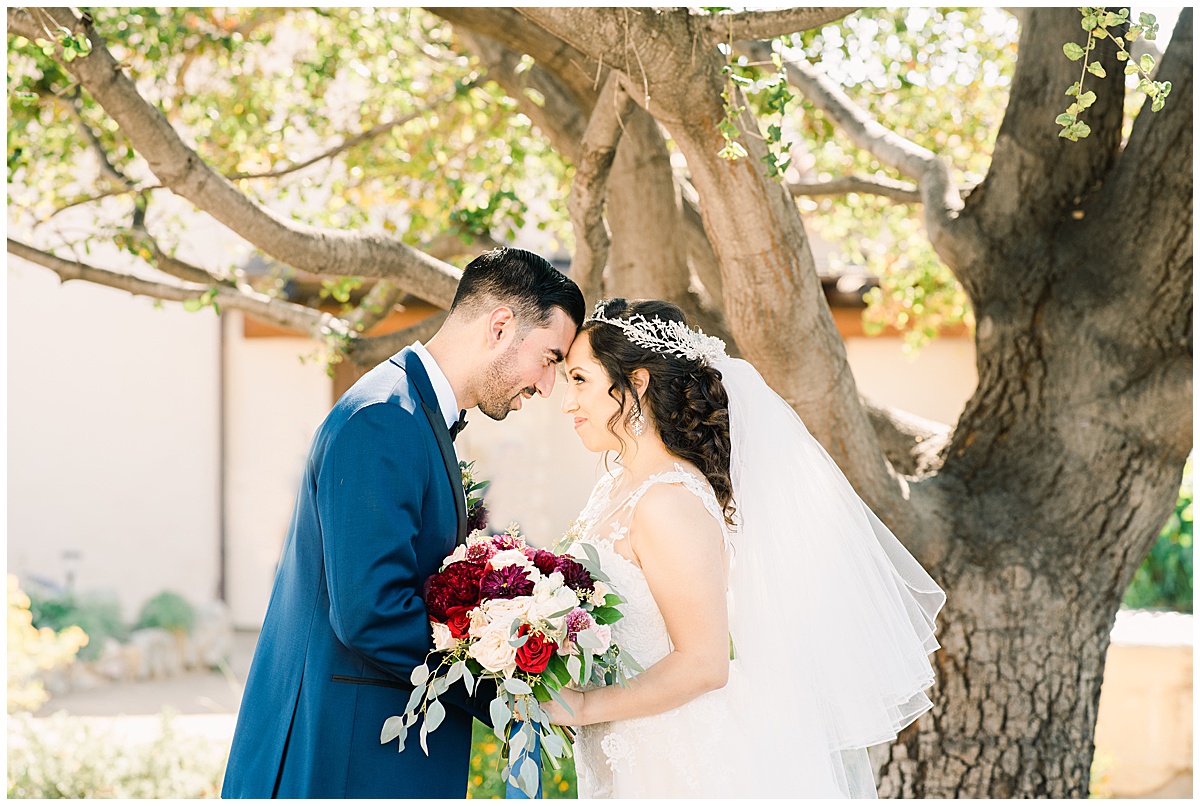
(369, 492)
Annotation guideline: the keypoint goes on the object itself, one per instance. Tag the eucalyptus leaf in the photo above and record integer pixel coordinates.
(500, 712)
(573, 666)
(425, 737)
(419, 675)
(554, 745)
(515, 685)
(589, 639)
(434, 715)
(456, 672)
(414, 699)
(468, 679)
(516, 744)
(393, 726)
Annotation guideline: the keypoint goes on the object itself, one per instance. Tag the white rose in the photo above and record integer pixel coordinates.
(598, 594)
(442, 639)
(564, 599)
(501, 612)
(459, 554)
(493, 651)
(503, 559)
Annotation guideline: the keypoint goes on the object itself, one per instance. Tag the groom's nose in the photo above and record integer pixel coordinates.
(545, 384)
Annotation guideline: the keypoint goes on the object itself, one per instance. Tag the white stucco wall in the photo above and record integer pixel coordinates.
(112, 439)
(934, 384)
(274, 404)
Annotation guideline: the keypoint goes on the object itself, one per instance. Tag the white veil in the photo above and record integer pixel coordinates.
(832, 620)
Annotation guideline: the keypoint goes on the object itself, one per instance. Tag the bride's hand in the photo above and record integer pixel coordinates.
(559, 715)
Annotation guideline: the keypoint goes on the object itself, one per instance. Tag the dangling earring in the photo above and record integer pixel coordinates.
(637, 421)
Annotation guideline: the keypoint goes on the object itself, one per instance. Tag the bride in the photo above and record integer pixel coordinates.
(782, 627)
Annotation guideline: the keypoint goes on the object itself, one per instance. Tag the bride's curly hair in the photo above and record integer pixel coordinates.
(685, 399)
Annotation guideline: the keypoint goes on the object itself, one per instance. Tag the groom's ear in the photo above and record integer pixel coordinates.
(501, 323)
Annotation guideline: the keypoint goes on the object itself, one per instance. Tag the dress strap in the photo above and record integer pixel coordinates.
(691, 482)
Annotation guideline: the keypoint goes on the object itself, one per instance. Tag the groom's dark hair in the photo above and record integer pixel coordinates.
(523, 281)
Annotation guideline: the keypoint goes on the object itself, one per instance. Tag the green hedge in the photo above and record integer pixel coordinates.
(1164, 579)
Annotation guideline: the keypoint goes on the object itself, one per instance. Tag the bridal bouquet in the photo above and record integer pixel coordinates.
(532, 620)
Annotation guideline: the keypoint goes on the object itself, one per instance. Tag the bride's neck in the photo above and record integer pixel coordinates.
(647, 457)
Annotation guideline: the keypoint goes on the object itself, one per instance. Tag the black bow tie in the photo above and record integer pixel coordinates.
(459, 425)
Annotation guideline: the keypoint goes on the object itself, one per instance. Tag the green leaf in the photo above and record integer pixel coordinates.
(1087, 99)
(500, 713)
(515, 685)
(192, 305)
(1112, 20)
(1096, 69)
(434, 715)
(1088, 22)
(1146, 20)
(1065, 119)
(1158, 103)
(1073, 51)
(1131, 69)
(1147, 62)
(588, 639)
(68, 54)
(1082, 129)
(393, 727)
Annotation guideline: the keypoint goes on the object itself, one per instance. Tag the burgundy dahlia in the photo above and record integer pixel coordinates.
(508, 582)
(546, 561)
(477, 518)
(575, 576)
(456, 586)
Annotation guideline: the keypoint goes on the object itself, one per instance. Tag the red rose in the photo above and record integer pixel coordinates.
(458, 621)
(455, 586)
(534, 655)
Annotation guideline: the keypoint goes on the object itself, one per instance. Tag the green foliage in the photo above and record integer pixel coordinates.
(69, 757)
(1097, 22)
(259, 90)
(168, 611)
(99, 616)
(1165, 577)
(939, 77)
(486, 765)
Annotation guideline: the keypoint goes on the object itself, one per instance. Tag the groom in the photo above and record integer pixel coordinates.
(380, 505)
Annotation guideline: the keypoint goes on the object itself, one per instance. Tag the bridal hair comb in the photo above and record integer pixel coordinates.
(669, 338)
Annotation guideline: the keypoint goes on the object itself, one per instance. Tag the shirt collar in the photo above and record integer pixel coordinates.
(441, 386)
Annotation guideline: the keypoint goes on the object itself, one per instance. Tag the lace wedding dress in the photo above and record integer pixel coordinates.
(684, 752)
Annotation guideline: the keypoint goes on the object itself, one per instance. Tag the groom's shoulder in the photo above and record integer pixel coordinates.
(387, 385)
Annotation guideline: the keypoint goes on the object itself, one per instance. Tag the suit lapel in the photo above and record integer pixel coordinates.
(416, 370)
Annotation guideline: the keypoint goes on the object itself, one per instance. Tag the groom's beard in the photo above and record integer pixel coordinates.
(498, 397)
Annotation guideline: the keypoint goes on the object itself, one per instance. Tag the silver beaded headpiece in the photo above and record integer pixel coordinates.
(669, 338)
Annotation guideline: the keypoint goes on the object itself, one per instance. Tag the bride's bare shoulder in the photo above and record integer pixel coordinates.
(671, 514)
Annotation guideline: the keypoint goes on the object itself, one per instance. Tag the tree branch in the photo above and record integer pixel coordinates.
(876, 186)
(278, 312)
(949, 234)
(586, 200)
(733, 26)
(368, 352)
(559, 115)
(320, 251)
(362, 137)
(576, 70)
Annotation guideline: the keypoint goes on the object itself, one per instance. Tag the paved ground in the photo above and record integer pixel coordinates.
(205, 702)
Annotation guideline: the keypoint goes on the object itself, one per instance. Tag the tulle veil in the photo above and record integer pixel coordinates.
(831, 618)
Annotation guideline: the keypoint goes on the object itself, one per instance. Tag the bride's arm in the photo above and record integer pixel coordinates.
(680, 549)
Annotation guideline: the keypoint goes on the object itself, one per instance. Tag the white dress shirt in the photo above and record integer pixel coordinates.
(441, 386)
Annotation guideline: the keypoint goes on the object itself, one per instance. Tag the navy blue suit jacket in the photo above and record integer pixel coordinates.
(380, 506)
